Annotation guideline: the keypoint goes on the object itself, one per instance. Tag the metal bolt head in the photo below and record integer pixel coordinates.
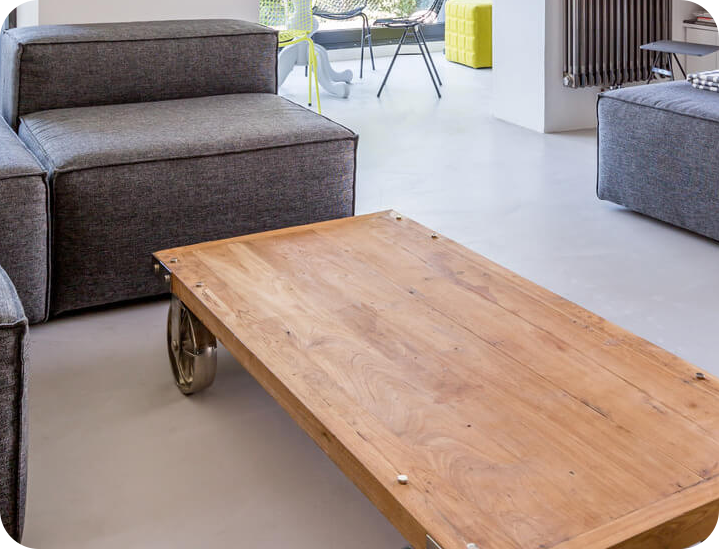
(402, 479)
(168, 279)
(435, 236)
(701, 376)
(398, 217)
(174, 260)
(199, 284)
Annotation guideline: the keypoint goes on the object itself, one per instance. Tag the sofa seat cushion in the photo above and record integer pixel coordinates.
(673, 97)
(659, 153)
(91, 137)
(24, 233)
(128, 180)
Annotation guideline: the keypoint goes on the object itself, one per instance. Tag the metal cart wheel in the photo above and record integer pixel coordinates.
(192, 349)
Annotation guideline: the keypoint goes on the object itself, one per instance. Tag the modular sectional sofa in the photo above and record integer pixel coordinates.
(659, 153)
(162, 134)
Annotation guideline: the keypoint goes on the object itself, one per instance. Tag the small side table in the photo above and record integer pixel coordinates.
(666, 49)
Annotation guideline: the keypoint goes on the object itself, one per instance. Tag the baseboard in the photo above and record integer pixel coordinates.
(387, 50)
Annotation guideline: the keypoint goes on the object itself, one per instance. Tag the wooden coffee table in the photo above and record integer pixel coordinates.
(471, 406)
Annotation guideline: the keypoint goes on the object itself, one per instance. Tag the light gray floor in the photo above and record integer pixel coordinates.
(118, 458)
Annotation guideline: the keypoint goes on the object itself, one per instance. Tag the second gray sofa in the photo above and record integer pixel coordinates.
(659, 153)
(163, 134)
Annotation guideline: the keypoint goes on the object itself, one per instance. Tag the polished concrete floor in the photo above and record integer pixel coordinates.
(119, 459)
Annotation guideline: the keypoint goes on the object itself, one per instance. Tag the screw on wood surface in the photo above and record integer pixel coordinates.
(168, 279)
(199, 284)
(398, 217)
(174, 260)
(402, 479)
(472, 546)
(701, 376)
(435, 236)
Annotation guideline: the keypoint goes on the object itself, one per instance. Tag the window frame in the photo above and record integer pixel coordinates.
(8, 11)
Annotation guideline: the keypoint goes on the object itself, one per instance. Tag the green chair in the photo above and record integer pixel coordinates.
(293, 19)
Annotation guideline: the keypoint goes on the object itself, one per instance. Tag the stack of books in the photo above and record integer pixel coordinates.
(703, 18)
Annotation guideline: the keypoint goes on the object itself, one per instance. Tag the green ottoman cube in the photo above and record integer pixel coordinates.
(468, 32)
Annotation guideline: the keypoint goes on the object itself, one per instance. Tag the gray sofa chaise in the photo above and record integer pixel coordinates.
(13, 409)
(659, 153)
(162, 134)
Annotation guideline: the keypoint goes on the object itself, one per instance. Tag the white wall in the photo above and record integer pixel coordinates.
(564, 108)
(518, 62)
(101, 11)
(528, 69)
(27, 14)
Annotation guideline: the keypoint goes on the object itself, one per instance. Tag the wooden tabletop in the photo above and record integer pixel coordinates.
(520, 419)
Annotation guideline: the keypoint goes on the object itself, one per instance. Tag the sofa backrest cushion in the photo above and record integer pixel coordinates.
(60, 66)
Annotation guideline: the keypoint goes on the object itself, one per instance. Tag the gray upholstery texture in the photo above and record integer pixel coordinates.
(132, 179)
(13, 409)
(659, 153)
(62, 66)
(24, 232)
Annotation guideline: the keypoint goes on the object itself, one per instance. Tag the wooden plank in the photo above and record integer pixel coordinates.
(658, 518)
(496, 306)
(517, 425)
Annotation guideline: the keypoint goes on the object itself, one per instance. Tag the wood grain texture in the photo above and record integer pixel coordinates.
(521, 420)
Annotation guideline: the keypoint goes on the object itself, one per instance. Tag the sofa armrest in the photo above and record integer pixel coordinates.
(24, 223)
(13, 408)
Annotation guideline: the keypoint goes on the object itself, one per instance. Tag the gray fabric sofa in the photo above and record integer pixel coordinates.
(13, 409)
(659, 153)
(163, 134)
(24, 225)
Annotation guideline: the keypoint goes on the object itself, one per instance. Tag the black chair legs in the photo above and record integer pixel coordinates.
(394, 58)
(426, 48)
(423, 51)
(366, 36)
(424, 56)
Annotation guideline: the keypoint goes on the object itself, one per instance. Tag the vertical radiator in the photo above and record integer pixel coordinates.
(602, 39)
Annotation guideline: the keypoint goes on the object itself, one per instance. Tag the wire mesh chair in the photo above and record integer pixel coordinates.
(293, 19)
(421, 16)
(341, 10)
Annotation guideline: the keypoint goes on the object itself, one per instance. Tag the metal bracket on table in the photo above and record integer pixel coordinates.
(162, 272)
(431, 544)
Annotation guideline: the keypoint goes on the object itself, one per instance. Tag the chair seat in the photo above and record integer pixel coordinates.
(395, 22)
(292, 35)
(422, 17)
(349, 14)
